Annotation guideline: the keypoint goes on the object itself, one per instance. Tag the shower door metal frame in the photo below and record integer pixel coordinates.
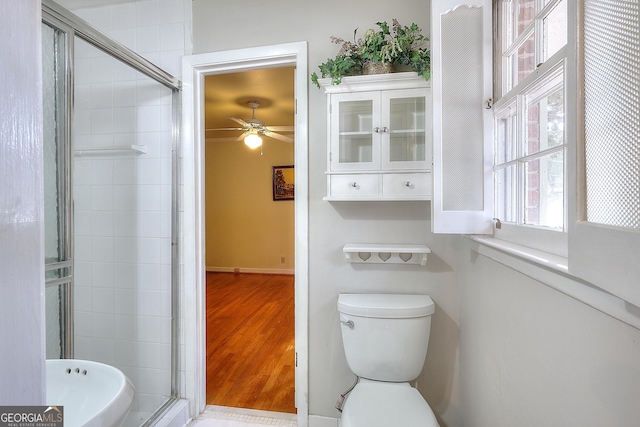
(57, 17)
(65, 199)
(52, 11)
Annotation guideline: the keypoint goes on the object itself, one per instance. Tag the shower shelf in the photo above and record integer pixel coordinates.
(383, 253)
(134, 149)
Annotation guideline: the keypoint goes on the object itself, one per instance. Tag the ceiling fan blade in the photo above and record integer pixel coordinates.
(241, 137)
(281, 128)
(278, 136)
(241, 122)
(224, 129)
(223, 139)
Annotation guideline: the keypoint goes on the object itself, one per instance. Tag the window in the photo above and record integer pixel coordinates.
(561, 148)
(529, 132)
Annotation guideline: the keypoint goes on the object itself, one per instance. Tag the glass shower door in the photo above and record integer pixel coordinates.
(122, 186)
(110, 123)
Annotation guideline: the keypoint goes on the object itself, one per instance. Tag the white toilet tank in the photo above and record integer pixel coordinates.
(385, 336)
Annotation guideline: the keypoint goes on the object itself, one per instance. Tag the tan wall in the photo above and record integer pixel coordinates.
(245, 228)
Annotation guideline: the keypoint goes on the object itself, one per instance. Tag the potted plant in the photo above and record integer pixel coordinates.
(378, 51)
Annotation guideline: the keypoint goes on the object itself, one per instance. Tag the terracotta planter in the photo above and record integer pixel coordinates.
(377, 68)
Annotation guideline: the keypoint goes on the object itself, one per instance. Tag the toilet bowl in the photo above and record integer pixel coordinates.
(385, 338)
(380, 404)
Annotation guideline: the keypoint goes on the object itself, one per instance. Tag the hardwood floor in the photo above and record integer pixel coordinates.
(250, 341)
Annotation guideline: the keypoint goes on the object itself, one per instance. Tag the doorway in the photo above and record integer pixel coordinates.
(250, 239)
(195, 68)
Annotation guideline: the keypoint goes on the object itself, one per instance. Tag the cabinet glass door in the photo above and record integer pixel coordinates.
(354, 143)
(407, 144)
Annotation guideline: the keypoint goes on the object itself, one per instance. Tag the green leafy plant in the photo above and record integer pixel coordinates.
(398, 45)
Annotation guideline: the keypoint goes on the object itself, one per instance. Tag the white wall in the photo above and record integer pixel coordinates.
(22, 350)
(532, 356)
(223, 25)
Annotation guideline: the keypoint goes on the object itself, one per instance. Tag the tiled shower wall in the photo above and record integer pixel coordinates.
(159, 30)
(123, 199)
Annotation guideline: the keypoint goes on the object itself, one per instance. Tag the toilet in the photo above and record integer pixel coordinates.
(385, 338)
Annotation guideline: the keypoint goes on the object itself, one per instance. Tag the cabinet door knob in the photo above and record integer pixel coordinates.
(407, 184)
(385, 129)
(354, 184)
(376, 129)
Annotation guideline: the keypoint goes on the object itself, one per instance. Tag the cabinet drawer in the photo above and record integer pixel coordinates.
(406, 185)
(355, 186)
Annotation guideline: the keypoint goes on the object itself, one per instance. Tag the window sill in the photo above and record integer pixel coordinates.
(552, 270)
(544, 259)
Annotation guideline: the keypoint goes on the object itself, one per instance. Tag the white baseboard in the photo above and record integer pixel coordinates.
(250, 270)
(318, 421)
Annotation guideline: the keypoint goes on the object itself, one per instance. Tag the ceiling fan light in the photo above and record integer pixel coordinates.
(253, 140)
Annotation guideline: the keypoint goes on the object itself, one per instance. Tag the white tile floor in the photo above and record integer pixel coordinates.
(219, 416)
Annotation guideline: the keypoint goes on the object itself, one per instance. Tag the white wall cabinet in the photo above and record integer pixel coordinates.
(379, 130)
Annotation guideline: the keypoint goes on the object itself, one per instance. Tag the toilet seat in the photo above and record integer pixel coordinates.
(380, 404)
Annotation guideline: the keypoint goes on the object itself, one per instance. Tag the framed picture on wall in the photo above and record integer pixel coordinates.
(283, 185)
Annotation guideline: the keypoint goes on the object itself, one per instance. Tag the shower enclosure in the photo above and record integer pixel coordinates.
(111, 134)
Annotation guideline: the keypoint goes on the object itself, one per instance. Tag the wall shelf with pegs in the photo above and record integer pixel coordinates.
(382, 253)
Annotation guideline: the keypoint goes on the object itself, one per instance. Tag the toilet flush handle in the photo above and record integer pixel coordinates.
(348, 323)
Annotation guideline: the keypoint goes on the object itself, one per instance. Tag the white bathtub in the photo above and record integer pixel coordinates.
(92, 393)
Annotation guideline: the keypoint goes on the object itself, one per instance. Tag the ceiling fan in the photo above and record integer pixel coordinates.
(253, 128)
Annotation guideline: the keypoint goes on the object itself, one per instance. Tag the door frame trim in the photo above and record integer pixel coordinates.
(193, 309)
